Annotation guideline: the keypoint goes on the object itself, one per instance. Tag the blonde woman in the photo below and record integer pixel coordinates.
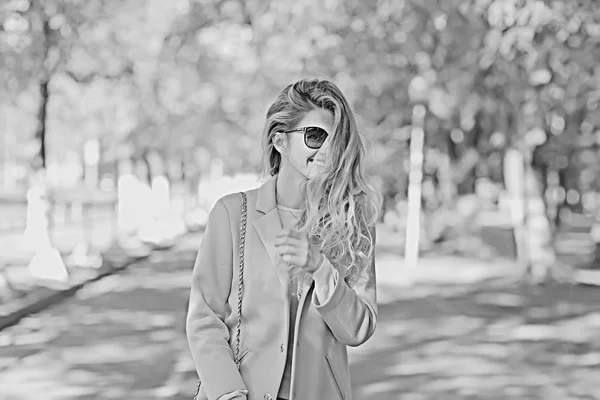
(309, 272)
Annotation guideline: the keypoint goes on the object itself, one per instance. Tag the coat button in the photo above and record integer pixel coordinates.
(281, 348)
(268, 396)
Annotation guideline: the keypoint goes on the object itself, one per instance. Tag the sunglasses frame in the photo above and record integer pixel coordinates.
(304, 129)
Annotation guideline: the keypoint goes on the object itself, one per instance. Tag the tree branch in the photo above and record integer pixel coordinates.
(246, 15)
(127, 70)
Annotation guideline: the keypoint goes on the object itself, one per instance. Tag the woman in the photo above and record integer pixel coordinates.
(309, 274)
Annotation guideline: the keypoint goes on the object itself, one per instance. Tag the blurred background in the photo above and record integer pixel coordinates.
(123, 121)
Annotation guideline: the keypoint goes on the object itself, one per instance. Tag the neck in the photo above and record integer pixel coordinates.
(289, 182)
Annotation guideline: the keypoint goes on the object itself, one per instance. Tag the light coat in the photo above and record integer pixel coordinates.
(322, 331)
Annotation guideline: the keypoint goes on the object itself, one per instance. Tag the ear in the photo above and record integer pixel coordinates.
(279, 142)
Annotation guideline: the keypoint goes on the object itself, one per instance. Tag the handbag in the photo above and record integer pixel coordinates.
(240, 288)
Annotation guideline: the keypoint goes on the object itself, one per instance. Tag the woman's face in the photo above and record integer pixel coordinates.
(308, 162)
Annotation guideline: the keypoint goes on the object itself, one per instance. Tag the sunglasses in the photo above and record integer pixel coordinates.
(314, 137)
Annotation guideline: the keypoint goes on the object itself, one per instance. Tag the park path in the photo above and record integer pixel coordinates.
(452, 328)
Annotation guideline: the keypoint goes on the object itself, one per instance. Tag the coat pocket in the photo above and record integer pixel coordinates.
(334, 378)
(199, 385)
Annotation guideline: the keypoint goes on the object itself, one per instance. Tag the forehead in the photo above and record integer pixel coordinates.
(318, 117)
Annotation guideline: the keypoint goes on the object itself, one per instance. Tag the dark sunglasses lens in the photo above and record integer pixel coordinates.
(315, 137)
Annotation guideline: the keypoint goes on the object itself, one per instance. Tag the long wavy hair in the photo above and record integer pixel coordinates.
(341, 208)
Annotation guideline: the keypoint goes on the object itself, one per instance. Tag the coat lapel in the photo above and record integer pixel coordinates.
(268, 226)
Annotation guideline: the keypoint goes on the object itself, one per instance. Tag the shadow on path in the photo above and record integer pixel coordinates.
(492, 340)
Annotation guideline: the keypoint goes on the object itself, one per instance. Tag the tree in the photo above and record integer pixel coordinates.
(50, 44)
(543, 61)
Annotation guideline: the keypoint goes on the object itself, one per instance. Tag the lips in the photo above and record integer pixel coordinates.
(319, 162)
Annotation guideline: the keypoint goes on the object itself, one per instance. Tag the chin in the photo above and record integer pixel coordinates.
(314, 174)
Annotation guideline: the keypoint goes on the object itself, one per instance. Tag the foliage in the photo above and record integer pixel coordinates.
(199, 74)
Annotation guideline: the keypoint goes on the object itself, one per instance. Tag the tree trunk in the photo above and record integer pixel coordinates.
(40, 159)
(596, 239)
(415, 186)
(514, 183)
(537, 225)
(595, 236)
(147, 169)
(533, 231)
(543, 264)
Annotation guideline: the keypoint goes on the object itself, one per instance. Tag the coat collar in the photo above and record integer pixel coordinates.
(267, 227)
(269, 224)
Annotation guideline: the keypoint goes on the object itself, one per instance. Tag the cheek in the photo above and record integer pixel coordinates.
(300, 157)
(315, 171)
(299, 161)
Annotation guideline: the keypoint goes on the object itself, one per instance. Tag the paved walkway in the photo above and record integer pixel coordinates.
(449, 329)
(470, 330)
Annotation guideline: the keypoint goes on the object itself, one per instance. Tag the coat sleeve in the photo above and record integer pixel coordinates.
(207, 334)
(351, 312)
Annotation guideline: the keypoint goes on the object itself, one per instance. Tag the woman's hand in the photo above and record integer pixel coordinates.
(294, 248)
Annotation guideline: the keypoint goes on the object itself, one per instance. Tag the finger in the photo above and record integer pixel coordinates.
(293, 260)
(295, 242)
(288, 258)
(297, 264)
(296, 234)
(284, 232)
(283, 239)
(288, 249)
(291, 240)
(282, 249)
(293, 269)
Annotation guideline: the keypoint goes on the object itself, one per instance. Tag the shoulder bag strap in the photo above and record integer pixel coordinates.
(241, 280)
